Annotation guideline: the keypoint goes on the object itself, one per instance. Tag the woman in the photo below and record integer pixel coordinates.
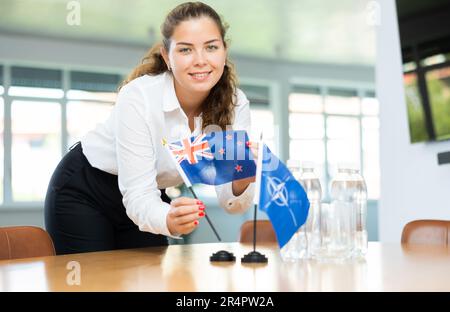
(108, 191)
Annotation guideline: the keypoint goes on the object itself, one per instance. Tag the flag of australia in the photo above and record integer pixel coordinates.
(214, 158)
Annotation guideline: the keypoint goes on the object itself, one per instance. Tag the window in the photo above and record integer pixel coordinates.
(263, 121)
(45, 118)
(307, 128)
(90, 101)
(342, 102)
(343, 141)
(343, 129)
(371, 155)
(261, 115)
(35, 82)
(329, 125)
(36, 139)
(83, 116)
(35, 96)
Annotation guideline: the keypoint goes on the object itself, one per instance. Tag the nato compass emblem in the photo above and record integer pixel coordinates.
(279, 194)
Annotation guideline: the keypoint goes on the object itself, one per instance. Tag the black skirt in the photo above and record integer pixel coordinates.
(84, 210)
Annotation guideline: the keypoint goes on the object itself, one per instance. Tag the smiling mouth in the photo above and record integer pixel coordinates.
(200, 76)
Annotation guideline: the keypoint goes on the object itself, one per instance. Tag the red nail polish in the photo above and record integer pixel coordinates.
(196, 222)
(201, 214)
(199, 202)
(201, 206)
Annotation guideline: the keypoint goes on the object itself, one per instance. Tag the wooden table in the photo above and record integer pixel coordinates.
(387, 267)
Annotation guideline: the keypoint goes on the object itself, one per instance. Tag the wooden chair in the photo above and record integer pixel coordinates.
(24, 242)
(264, 232)
(426, 232)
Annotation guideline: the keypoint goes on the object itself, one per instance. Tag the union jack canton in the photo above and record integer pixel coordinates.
(214, 158)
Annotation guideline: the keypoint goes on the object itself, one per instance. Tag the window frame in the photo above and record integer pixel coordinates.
(8, 204)
(362, 90)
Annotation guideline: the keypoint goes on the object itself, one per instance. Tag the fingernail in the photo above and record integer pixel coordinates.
(196, 222)
(201, 207)
(201, 214)
(199, 202)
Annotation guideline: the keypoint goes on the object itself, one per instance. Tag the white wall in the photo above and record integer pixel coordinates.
(413, 186)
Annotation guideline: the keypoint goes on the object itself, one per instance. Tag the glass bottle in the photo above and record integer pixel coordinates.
(297, 247)
(341, 230)
(311, 184)
(360, 202)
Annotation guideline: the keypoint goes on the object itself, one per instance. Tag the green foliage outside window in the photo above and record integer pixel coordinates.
(438, 83)
(416, 116)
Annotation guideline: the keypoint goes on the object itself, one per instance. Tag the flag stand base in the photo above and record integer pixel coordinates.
(254, 257)
(222, 255)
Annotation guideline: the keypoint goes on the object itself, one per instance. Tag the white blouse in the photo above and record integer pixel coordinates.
(128, 144)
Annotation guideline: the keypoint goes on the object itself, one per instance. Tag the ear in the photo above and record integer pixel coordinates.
(165, 56)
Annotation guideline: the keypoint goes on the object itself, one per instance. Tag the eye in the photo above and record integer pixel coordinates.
(211, 47)
(184, 50)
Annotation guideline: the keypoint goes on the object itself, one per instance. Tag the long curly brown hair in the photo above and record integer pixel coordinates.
(218, 107)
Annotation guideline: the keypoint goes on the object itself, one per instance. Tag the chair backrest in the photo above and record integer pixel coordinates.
(264, 232)
(24, 242)
(426, 232)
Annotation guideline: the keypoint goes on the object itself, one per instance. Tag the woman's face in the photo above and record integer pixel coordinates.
(197, 55)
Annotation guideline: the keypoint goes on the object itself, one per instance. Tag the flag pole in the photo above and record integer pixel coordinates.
(206, 215)
(188, 184)
(258, 186)
(254, 228)
(221, 255)
(255, 256)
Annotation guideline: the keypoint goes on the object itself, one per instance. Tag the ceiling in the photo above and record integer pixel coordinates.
(310, 31)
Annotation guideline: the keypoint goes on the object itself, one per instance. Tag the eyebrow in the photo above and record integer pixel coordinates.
(190, 44)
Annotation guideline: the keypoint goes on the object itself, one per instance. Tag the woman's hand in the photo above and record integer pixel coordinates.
(184, 214)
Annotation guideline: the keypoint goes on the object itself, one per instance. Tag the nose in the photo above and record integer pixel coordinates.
(200, 59)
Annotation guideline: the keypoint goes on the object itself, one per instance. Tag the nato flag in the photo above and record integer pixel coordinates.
(282, 198)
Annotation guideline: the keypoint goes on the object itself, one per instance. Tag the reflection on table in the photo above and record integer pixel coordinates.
(387, 267)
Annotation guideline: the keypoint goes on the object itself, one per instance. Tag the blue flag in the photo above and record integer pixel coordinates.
(282, 198)
(214, 158)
